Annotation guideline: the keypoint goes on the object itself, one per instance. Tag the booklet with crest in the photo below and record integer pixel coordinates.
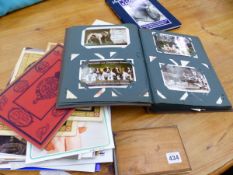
(121, 65)
(146, 14)
(27, 106)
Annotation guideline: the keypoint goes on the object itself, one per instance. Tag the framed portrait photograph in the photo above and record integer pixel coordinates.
(173, 44)
(183, 78)
(117, 73)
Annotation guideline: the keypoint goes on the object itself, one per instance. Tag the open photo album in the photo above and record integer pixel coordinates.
(124, 65)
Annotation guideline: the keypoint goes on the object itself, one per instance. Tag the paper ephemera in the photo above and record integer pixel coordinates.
(28, 104)
(27, 58)
(91, 136)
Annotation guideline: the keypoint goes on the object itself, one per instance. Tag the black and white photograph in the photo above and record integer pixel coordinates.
(172, 44)
(143, 12)
(107, 73)
(12, 145)
(95, 37)
(181, 78)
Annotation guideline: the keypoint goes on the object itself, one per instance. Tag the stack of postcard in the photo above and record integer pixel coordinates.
(84, 137)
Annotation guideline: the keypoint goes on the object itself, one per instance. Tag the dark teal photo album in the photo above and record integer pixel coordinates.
(124, 65)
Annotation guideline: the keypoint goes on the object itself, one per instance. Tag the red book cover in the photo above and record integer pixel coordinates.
(28, 106)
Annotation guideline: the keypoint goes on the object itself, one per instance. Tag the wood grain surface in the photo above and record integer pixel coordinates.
(207, 136)
(144, 151)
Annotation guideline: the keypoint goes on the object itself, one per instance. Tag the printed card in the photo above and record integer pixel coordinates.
(28, 105)
(90, 136)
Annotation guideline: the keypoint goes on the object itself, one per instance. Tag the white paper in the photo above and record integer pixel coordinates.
(71, 167)
(5, 166)
(100, 22)
(49, 172)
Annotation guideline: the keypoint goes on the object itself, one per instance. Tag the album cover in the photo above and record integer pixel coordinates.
(121, 65)
(146, 14)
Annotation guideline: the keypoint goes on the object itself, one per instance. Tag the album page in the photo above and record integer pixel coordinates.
(180, 73)
(103, 65)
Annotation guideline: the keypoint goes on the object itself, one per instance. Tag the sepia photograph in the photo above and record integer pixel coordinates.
(95, 37)
(181, 78)
(12, 145)
(172, 44)
(107, 73)
(143, 12)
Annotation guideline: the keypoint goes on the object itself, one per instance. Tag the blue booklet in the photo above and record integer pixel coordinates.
(147, 14)
(124, 65)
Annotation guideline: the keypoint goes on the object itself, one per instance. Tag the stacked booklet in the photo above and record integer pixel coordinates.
(124, 65)
(81, 142)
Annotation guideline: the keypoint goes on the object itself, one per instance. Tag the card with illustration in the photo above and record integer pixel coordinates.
(173, 44)
(115, 73)
(90, 136)
(182, 78)
(102, 37)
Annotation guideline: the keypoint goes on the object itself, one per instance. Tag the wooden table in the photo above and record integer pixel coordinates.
(208, 137)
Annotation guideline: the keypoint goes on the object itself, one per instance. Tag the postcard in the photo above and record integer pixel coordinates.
(12, 145)
(103, 37)
(173, 44)
(183, 78)
(144, 13)
(91, 136)
(107, 73)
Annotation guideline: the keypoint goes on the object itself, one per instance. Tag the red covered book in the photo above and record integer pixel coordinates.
(28, 106)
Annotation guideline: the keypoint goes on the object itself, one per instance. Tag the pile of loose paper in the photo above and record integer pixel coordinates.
(83, 142)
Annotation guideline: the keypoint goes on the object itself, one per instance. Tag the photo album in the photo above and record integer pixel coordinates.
(121, 65)
(146, 14)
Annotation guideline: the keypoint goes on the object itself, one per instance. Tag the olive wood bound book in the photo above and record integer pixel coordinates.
(150, 151)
